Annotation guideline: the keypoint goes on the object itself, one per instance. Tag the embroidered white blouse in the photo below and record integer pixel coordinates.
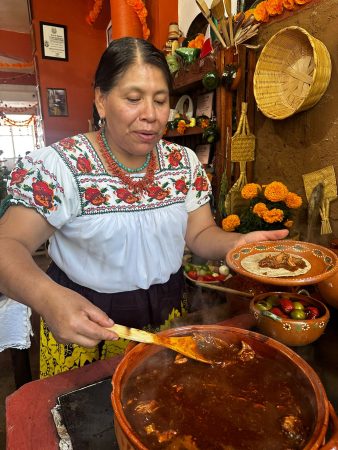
(107, 238)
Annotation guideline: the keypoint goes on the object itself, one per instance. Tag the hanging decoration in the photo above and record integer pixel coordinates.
(94, 12)
(141, 11)
(18, 123)
(270, 8)
(21, 65)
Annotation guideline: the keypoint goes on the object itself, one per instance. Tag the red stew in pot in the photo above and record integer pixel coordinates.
(244, 401)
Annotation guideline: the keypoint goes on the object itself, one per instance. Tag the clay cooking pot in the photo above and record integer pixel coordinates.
(322, 410)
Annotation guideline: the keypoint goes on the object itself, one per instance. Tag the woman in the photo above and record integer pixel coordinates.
(118, 207)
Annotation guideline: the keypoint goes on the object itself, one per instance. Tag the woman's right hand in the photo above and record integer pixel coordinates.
(75, 320)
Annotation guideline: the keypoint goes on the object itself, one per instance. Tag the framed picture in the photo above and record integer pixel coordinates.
(204, 104)
(54, 41)
(57, 102)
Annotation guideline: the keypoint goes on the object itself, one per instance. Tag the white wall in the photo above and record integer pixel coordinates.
(188, 10)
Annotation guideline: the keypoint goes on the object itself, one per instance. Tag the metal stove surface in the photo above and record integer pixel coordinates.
(88, 417)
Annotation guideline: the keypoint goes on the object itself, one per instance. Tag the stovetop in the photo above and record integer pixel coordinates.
(88, 417)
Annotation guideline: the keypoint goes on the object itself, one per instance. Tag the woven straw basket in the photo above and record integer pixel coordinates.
(292, 73)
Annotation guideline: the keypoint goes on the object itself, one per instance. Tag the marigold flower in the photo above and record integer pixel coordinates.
(288, 223)
(259, 209)
(293, 201)
(289, 4)
(248, 13)
(250, 190)
(276, 191)
(181, 126)
(230, 222)
(273, 215)
(274, 7)
(260, 12)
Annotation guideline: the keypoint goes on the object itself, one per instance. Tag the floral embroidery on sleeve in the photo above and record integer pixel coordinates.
(181, 186)
(18, 175)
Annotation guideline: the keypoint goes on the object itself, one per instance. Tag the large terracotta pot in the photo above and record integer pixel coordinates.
(128, 439)
(329, 290)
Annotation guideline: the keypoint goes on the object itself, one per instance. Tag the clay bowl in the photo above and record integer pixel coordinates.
(328, 289)
(289, 331)
(309, 382)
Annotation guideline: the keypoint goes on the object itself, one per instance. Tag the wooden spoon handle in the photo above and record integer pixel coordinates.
(132, 334)
(224, 289)
(206, 13)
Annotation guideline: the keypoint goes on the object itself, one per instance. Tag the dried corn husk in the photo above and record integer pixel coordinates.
(327, 177)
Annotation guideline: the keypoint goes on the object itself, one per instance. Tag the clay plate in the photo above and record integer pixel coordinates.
(323, 261)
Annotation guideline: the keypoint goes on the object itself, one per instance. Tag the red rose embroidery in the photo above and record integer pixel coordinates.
(157, 192)
(83, 164)
(201, 184)
(175, 158)
(181, 186)
(68, 143)
(43, 194)
(94, 196)
(126, 196)
(18, 176)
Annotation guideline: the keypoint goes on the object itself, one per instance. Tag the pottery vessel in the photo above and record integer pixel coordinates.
(128, 438)
(328, 289)
(289, 331)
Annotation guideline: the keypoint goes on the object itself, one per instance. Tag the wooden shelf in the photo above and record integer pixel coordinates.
(189, 131)
(190, 76)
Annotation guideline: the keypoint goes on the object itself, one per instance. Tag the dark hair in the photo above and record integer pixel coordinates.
(123, 53)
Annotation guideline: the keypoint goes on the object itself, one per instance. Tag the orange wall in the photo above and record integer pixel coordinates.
(161, 14)
(85, 45)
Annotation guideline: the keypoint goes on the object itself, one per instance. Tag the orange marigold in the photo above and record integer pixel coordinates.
(274, 215)
(274, 7)
(260, 12)
(250, 190)
(276, 191)
(259, 209)
(289, 4)
(288, 223)
(230, 222)
(293, 200)
(248, 13)
(181, 126)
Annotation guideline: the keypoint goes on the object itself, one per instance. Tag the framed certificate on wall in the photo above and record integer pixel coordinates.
(54, 41)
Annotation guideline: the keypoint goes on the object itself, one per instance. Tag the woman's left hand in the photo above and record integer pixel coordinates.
(256, 236)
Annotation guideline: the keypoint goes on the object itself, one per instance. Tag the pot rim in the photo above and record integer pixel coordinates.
(129, 362)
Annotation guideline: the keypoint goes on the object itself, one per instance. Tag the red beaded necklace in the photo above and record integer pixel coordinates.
(136, 186)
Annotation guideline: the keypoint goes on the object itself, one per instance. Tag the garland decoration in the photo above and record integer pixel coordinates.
(141, 11)
(95, 12)
(18, 123)
(21, 65)
(270, 8)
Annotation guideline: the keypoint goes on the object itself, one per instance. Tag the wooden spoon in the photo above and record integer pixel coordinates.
(215, 287)
(206, 13)
(186, 345)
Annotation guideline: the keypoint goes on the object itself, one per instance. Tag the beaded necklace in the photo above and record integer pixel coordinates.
(125, 168)
(136, 186)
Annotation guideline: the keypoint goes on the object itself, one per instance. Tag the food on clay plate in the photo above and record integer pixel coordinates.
(276, 264)
(206, 273)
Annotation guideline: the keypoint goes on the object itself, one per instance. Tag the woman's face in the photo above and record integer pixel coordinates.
(136, 110)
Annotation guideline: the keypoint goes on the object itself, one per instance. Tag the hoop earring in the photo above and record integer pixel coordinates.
(102, 121)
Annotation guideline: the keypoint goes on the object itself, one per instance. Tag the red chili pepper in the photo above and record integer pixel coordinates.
(192, 274)
(311, 312)
(278, 312)
(286, 305)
